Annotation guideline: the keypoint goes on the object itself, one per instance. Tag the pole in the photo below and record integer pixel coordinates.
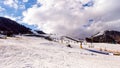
(81, 45)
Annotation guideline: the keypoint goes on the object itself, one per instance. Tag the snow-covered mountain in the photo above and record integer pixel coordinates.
(9, 27)
(105, 36)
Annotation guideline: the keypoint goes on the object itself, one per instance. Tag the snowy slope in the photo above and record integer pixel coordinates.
(99, 33)
(32, 52)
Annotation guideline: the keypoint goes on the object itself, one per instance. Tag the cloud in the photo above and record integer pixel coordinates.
(25, 0)
(68, 17)
(11, 3)
(22, 6)
(15, 4)
(11, 17)
(2, 9)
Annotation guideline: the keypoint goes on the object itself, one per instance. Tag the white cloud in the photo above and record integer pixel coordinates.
(22, 6)
(67, 17)
(25, 0)
(11, 3)
(11, 17)
(2, 9)
(15, 3)
(84, 1)
(17, 18)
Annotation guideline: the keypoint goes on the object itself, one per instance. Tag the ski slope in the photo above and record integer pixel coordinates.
(33, 52)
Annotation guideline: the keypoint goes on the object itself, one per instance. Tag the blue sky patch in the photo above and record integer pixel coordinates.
(88, 4)
(17, 12)
(90, 21)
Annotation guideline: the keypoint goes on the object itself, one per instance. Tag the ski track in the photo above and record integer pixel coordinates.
(31, 52)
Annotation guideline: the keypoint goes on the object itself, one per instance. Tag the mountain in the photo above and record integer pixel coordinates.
(105, 37)
(39, 32)
(8, 26)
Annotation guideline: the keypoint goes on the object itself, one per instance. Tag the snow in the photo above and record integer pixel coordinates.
(33, 52)
(100, 33)
(113, 47)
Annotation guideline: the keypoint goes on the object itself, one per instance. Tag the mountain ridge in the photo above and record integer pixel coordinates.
(105, 37)
(9, 26)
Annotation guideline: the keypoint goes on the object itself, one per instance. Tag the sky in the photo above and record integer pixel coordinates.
(77, 18)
